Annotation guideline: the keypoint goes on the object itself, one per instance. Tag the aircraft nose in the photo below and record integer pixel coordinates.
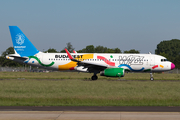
(172, 66)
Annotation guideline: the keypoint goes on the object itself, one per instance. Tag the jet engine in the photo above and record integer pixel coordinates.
(113, 72)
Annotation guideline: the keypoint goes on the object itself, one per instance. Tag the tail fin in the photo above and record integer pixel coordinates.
(21, 43)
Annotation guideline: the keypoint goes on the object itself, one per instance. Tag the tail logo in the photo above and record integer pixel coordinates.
(20, 39)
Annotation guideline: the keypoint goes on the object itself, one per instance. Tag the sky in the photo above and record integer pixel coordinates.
(123, 24)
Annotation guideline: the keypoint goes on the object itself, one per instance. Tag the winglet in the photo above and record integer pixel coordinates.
(74, 51)
(69, 55)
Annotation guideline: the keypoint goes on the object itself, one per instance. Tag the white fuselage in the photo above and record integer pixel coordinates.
(130, 62)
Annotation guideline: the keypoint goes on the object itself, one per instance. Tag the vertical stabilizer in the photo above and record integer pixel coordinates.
(21, 43)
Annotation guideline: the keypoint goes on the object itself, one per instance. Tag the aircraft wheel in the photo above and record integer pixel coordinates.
(151, 78)
(94, 77)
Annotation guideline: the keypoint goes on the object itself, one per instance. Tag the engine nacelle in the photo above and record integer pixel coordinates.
(113, 72)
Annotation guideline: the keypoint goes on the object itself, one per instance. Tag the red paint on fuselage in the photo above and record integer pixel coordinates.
(106, 60)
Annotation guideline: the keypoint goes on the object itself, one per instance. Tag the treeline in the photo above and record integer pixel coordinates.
(5, 62)
(169, 49)
(91, 49)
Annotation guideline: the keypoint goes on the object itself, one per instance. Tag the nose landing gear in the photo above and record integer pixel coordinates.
(151, 76)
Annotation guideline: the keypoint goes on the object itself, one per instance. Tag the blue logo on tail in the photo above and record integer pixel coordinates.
(21, 43)
(20, 39)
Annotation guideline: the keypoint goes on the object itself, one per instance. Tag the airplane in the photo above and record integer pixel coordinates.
(105, 64)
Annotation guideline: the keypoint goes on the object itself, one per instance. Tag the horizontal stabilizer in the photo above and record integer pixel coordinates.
(16, 58)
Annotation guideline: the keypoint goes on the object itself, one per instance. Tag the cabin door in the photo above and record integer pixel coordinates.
(152, 60)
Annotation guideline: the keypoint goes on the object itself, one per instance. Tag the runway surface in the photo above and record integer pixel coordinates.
(89, 113)
(74, 115)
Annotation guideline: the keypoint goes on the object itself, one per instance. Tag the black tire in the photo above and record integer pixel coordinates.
(94, 77)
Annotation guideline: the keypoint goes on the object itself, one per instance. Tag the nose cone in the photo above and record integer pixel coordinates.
(172, 66)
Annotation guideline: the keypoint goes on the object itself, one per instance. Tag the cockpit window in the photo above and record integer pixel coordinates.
(163, 60)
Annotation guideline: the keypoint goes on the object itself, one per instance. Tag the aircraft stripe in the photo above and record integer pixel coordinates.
(122, 65)
(52, 63)
(106, 60)
(154, 66)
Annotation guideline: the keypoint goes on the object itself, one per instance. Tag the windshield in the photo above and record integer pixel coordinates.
(163, 60)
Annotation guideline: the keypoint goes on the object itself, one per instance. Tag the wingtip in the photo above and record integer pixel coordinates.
(74, 51)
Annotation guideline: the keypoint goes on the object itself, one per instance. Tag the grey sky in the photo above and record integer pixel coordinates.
(126, 24)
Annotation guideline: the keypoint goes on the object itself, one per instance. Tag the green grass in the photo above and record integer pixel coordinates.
(73, 89)
(84, 76)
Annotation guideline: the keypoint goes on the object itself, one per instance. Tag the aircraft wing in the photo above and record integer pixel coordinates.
(90, 65)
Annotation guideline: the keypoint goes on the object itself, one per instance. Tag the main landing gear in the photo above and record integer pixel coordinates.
(94, 77)
(151, 76)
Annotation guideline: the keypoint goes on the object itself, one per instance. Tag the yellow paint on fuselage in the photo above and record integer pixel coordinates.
(162, 66)
(67, 66)
(74, 64)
